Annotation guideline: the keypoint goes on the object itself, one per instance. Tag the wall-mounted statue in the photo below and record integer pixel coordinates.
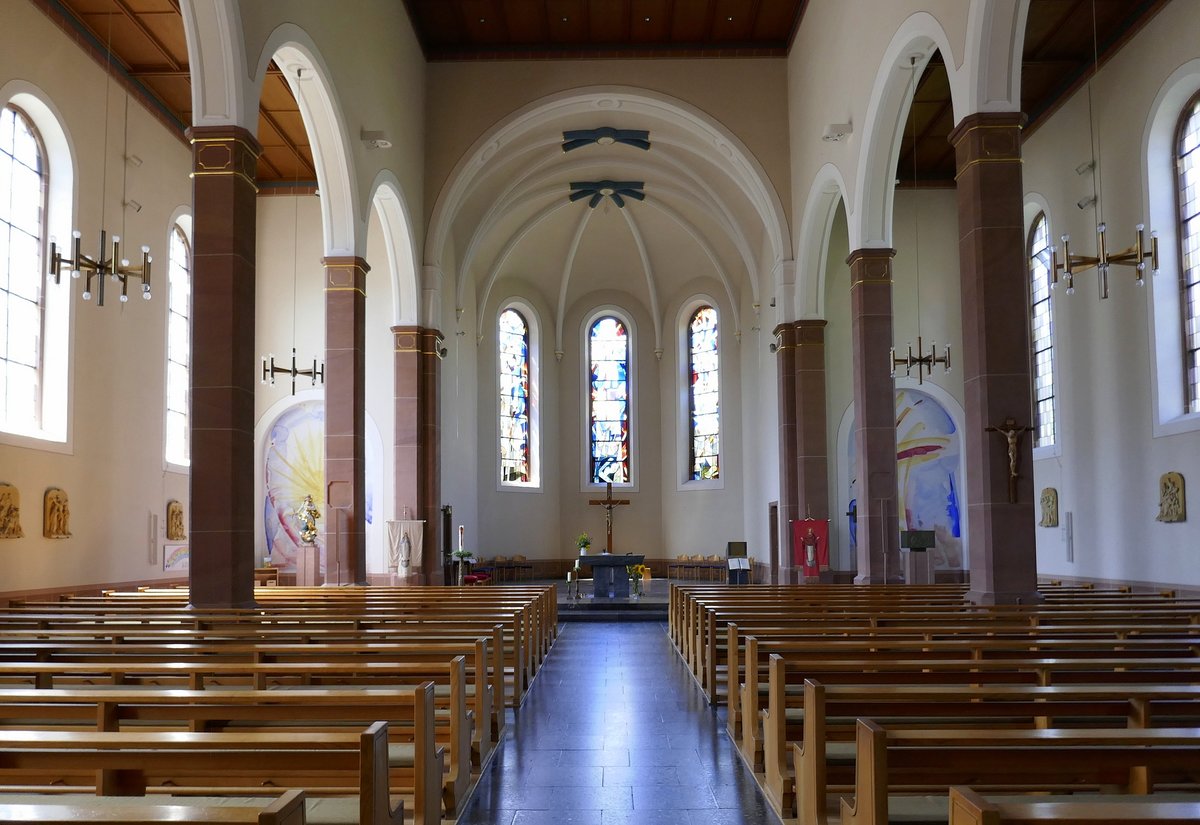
(1172, 502)
(10, 512)
(1049, 508)
(56, 515)
(175, 530)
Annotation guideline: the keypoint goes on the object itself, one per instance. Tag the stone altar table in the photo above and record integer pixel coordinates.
(609, 575)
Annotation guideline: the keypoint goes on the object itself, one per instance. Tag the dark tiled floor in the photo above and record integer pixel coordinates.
(615, 731)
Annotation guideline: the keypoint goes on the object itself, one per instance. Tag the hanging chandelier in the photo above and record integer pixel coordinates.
(95, 270)
(1135, 256)
(921, 361)
(269, 368)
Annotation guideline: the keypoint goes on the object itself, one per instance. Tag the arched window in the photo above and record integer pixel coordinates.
(23, 186)
(1042, 331)
(704, 400)
(608, 414)
(179, 347)
(1188, 164)
(516, 455)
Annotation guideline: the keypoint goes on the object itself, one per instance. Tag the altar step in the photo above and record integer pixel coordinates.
(613, 610)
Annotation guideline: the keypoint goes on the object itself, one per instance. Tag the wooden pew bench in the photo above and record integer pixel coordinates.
(288, 809)
(967, 646)
(453, 720)
(909, 772)
(345, 775)
(817, 739)
(970, 808)
(415, 760)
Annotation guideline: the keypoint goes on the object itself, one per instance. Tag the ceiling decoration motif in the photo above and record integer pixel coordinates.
(605, 136)
(617, 191)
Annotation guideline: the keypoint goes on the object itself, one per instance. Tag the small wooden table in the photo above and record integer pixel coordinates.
(609, 575)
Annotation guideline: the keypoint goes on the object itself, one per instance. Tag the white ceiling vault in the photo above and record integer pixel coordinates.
(709, 211)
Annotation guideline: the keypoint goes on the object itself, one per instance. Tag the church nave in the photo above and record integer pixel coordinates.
(614, 730)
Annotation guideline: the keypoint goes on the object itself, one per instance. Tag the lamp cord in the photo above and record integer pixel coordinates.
(912, 116)
(104, 156)
(1097, 170)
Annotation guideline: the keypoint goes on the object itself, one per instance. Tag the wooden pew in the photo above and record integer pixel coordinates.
(452, 732)
(349, 765)
(930, 761)
(288, 809)
(970, 808)
(415, 760)
(823, 755)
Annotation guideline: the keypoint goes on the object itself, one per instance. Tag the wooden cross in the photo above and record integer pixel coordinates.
(608, 503)
(1012, 433)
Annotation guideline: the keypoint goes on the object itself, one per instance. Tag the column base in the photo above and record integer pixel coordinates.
(987, 597)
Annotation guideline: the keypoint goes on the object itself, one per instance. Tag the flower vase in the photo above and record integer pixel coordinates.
(637, 588)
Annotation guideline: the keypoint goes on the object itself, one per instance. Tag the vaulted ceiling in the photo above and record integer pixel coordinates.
(149, 52)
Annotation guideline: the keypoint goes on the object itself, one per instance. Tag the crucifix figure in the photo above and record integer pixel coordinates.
(1012, 432)
(608, 503)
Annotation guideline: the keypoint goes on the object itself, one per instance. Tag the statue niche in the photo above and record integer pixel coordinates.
(56, 515)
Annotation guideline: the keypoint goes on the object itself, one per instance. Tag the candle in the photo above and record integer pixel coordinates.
(461, 530)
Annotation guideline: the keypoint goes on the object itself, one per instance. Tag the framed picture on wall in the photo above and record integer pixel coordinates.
(175, 558)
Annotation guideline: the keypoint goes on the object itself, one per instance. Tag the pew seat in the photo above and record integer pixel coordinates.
(69, 809)
(970, 808)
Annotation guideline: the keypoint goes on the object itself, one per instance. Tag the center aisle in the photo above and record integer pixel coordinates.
(614, 730)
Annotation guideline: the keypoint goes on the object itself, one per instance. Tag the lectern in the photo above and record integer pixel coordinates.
(610, 579)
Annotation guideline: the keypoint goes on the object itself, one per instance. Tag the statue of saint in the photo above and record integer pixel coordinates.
(306, 516)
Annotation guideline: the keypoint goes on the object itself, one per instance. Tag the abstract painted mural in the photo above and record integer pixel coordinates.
(928, 460)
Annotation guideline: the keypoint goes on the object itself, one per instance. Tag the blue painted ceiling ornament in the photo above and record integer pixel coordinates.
(605, 136)
(598, 190)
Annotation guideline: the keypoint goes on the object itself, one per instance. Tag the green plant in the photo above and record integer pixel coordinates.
(584, 541)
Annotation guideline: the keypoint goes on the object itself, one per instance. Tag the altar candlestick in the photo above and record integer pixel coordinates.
(461, 530)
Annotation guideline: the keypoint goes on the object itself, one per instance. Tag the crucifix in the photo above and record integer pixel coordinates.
(1012, 432)
(608, 503)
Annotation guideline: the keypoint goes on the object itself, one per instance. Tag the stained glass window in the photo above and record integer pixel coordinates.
(22, 210)
(515, 463)
(179, 346)
(1189, 238)
(704, 395)
(608, 352)
(1042, 331)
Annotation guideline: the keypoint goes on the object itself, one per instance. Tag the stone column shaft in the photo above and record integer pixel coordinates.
(417, 438)
(812, 450)
(221, 484)
(875, 415)
(785, 361)
(996, 355)
(345, 420)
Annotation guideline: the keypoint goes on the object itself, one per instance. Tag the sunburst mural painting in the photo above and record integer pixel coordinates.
(293, 467)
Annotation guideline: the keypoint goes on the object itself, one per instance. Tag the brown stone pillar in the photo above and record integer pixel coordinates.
(418, 439)
(812, 453)
(429, 462)
(785, 361)
(221, 485)
(345, 420)
(875, 415)
(996, 353)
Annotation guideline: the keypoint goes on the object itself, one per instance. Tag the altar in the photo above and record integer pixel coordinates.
(610, 579)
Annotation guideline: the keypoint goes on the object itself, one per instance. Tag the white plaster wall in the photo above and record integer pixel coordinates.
(1109, 463)
(113, 468)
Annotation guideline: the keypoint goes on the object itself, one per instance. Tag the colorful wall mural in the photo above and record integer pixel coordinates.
(928, 464)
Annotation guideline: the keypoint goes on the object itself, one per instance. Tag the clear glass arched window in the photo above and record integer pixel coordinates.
(608, 413)
(23, 186)
(1041, 328)
(516, 455)
(704, 398)
(179, 347)
(1188, 165)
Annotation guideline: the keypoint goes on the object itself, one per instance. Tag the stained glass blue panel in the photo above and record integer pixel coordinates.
(515, 463)
(608, 350)
(704, 395)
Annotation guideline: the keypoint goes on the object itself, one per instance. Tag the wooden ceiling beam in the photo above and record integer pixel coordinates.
(159, 46)
(287, 141)
(1038, 50)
